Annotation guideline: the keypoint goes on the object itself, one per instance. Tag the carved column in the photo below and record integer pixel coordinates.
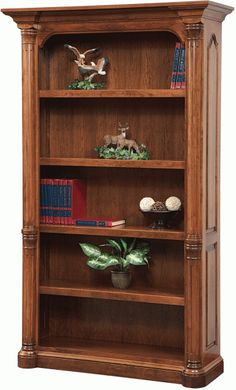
(27, 356)
(193, 241)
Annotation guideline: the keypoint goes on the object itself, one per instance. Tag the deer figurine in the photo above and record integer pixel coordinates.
(116, 139)
(129, 143)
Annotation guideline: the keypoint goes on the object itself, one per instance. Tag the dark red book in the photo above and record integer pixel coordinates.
(76, 200)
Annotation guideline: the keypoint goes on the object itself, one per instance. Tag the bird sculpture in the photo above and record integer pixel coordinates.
(88, 70)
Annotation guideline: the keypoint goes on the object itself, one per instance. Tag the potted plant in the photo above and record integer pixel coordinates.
(120, 256)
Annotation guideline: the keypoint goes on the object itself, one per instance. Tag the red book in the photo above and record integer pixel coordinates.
(76, 200)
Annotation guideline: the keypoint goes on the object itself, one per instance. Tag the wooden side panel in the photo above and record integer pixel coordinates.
(211, 296)
(211, 191)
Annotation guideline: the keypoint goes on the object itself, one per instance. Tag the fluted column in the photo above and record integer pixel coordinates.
(193, 208)
(27, 356)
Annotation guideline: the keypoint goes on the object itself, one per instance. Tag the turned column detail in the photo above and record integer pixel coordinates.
(193, 239)
(27, 355)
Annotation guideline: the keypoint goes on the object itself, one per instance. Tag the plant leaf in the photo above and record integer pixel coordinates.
(136, 257)
(124, 245)
(132, 245)
(102, 262)
(90, 250)
(96, 264)
(144, 247)
(114, 244)
(125, 262)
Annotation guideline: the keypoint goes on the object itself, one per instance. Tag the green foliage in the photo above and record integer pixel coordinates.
(122, 254)
(110, 152)
(85, 84)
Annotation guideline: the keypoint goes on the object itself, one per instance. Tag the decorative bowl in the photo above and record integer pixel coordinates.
(164, 219)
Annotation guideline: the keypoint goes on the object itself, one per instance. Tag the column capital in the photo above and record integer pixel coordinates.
(194, 33)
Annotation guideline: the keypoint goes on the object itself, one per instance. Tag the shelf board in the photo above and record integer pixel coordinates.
(116, 231)
(113, 93)
(113, 352)
(70, 289)
(96, 162)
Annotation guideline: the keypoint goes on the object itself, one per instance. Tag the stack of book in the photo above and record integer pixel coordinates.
(62, 201)
(178, 69)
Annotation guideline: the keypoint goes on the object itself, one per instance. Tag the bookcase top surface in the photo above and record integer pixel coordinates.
(168, 5)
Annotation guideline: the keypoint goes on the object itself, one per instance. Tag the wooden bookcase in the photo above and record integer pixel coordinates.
(166, 325)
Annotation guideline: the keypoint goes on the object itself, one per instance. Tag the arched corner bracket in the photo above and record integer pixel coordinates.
(193, 247)
(194, 33)
(213, 40)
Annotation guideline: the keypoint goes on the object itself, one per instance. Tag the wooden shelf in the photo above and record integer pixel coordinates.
(113, 352)
(65, 288)
(117, 231)
(113, 93)
(95, 162)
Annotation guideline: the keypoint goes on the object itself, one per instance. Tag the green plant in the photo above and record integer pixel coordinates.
(85, 84)
(109, 152)
(121, 254)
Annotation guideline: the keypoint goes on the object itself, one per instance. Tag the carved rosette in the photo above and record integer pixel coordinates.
(193, 247)
(194, 33)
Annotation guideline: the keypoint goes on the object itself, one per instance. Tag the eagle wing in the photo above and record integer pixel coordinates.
(90, 51)
(74, 50)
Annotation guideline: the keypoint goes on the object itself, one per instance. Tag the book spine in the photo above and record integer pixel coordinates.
(50, 201)
(78, 199)
(64, 202)
(47, 201)
(175, 65)
(180, 68)
(56, 206)
(60, 202)
(69, 202)
(42, 201)
(96, 223)
(183, 84)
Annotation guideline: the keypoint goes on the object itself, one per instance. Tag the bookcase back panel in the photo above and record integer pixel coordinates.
(116, 193)
(63, 260)
(114, 321)
(74, 127)
(136, 60)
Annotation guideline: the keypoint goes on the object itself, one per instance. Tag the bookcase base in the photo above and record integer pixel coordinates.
(188, 378)
(27, 359)
(202, 377)
(72, 362)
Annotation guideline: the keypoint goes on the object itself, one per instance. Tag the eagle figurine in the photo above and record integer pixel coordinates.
(88, 70)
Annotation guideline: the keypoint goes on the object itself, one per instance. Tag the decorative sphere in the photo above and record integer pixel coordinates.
(173, 203)
(158, 206)
(146, 203)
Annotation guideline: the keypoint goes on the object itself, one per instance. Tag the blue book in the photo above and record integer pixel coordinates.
(175, 65)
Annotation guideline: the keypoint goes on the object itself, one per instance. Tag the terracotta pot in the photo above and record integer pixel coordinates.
(121, 279)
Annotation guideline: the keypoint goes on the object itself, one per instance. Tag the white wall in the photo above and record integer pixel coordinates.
(11, 216)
